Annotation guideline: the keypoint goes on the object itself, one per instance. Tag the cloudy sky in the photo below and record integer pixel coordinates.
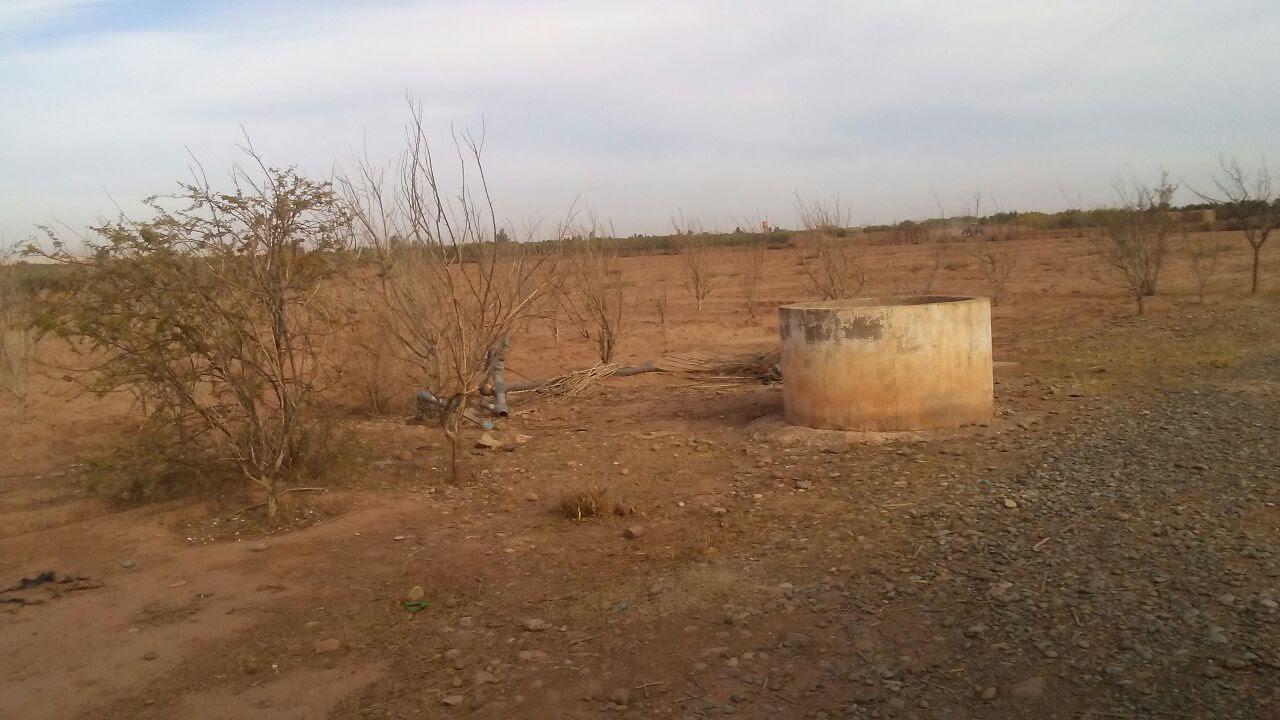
(720, 110)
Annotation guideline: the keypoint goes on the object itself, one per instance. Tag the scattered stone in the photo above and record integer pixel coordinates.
(535, 624)
(1212, 671)
(404, 456)
(487, 441)
(531, 656)
(150, 655)
(621, 696)
(127, 564)
(451, 700)
(1030, 689)
(989, 694)
(416, 593)
(1011, 503)
(484, 677)
(177, 583)
(633, 532)
(259, 546)
(532, 497)
(324, 647)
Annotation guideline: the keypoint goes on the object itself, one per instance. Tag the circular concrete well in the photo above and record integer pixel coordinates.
(887, 364)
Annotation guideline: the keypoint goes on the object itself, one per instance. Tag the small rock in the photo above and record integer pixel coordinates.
(1030, 689)
(150, 655)
(417, 593)
(989, 694)
(1236, 664)
(532, 497)
(531, 656)
(484, 677)
(259, 546)
(1212, 671)
(127, 564)
(487, 441)
(1011, 503)
(621, 696)
(404, 455)
(633, 532)
(451, 700)
(177, 583)
(324, 647)
(804, 484)
(717, 510)
(535, 624)
(795, 639)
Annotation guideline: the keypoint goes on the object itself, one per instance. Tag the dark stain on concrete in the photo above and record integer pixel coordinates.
(821, 326)
(862, 328)
(818, 329)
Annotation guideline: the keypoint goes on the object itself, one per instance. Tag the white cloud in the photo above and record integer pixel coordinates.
(720, 109)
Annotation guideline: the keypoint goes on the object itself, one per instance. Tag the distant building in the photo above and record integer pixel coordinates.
(1188, 217)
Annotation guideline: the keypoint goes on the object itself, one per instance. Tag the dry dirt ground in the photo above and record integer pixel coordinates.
(1107, 547)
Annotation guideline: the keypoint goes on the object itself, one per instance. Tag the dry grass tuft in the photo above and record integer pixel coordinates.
(593, 502)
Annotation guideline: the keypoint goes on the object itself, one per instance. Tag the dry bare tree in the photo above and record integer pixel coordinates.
(998, 261)
(1205, 256)
(933, 266)
(595, 299)
(1137, 238)
(823, 215)
(660, 306)
(695, 258)
(753, 258)
(1251, 197)
(832, 265)
(214, 315)
(17, 335)
(449, 289)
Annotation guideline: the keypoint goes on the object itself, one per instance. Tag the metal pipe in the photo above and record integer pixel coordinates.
(427, 398)
(499, 387)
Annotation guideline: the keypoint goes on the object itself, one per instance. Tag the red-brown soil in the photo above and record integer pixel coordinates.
(1108, 547)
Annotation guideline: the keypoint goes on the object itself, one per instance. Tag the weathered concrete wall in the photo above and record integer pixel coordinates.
(884, 364)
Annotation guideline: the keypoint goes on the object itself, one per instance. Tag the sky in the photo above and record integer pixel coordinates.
(719, 111)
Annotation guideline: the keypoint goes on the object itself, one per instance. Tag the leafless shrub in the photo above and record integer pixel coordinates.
(694, 257)
(753, 258)
(831, 263)
(823, 215)
(373, 368)
(834, 269)
(595, 302)
(932, 267)
(998, 260)
(1205, 256)
(17, 336)
(592, 502)
(1138, 236)
(451, 286)
(1251, 197)
(214, 317)
(660, 306)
